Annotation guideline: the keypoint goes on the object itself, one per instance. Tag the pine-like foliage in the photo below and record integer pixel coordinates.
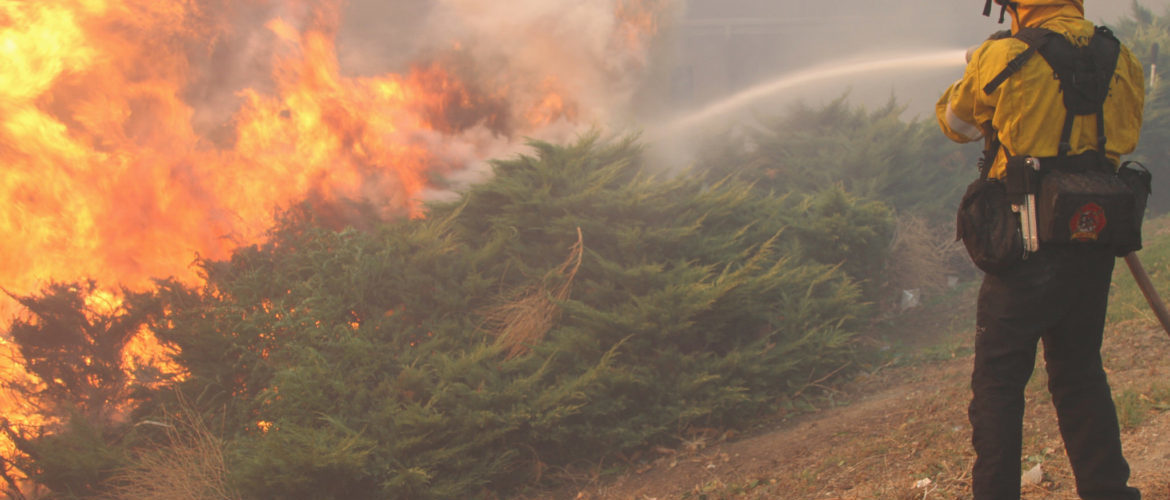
(871, 153)
(366, 365)
(78, 384)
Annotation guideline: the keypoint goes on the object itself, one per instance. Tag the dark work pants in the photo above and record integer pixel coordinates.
(1057, 296)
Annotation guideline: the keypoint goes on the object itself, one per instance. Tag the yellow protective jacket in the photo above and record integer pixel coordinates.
(1027, 110)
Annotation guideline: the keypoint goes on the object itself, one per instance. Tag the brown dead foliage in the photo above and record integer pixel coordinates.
(190, 466)
(922, 256)
(522, 322)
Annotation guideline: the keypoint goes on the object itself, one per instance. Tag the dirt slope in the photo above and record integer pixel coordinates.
(902, 433)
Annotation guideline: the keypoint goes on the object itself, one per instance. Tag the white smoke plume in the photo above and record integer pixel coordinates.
(546, 69)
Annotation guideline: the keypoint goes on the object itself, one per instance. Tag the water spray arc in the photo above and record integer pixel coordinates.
(940, 59)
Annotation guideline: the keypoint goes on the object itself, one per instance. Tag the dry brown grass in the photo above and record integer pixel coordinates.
(922, 256)
(521, 323)
(190, 466)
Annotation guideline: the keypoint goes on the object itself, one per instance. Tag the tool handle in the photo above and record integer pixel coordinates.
(1147, 288)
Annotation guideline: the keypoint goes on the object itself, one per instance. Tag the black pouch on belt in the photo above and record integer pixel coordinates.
(1084, 201)
(1139, 181)
(989, 229)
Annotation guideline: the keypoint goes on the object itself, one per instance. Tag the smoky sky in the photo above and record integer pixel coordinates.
(710, 48)
(379, 36)
(725, 46)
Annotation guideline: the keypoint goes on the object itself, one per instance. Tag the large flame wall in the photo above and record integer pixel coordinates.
(138, 135)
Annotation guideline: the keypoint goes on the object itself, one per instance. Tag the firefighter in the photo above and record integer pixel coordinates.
(1058, 294)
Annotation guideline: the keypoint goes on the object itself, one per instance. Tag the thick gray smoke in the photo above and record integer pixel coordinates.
(584, 50)
(543, 69)
(566, 66)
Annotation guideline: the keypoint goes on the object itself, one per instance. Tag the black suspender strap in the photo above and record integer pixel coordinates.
(1066, 135)
(1012, 67)
(1035, 38)
(1085, 74)
(991, 147)
(1101, 129)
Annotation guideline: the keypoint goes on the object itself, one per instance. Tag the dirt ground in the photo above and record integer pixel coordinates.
(900, 432)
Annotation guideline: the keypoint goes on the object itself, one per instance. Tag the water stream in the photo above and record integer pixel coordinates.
(939, 59)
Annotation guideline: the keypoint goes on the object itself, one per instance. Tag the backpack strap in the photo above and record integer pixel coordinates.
(1085, 74)
(991, 147)
(1106, 48)
(1035, 38)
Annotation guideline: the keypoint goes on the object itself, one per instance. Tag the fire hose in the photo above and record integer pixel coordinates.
(1147, 288)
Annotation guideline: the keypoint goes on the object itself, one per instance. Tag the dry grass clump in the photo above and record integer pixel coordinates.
(923, 256)
(190, 467)
(522, 322)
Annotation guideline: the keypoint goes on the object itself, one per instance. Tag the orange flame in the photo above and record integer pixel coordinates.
(135, 138)
(124, 160)
(106, 176)
(640, 20)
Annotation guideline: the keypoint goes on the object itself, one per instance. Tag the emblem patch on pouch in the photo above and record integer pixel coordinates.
(1086, 224)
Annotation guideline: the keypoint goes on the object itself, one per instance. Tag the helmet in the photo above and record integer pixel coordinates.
(1017, 6)
(1004, 4)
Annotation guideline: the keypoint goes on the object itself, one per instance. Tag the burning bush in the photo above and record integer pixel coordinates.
(82, 379)
(361, 364)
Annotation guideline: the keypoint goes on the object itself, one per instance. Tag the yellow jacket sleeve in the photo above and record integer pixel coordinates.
(960, 114)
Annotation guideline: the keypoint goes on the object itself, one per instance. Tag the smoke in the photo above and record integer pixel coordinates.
(558, 67)
(539, 69)
(534, 69)
(595, 53)
(139, 133)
